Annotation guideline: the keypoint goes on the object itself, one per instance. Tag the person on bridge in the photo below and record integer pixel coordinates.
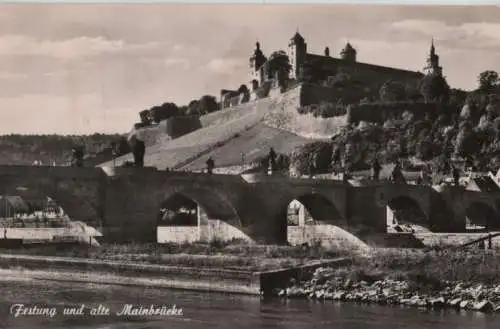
(424, 175)
(77, 159)
(138, 150)
(210, 165)
(272, 159)
(397, 174)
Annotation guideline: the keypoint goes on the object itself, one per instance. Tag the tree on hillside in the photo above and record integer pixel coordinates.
(340, 79)
(392, 91)
(183, 110)
(487, 80)
(434, 88)
(243, 89)
(145, 116)
(207, 104)
(279, 64)
(312, 71)
(122, 147)
(193, 108)
(164, 111)
(465, 141)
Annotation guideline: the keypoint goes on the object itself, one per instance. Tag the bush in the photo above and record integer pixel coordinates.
(323, 110)
(316, 156)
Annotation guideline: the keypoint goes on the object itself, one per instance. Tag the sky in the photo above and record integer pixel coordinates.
(85, 68)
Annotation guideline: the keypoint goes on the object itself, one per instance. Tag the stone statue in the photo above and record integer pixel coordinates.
(77, 157)
(210, 165)
(138, 150)
(272, 159)
(376, 169)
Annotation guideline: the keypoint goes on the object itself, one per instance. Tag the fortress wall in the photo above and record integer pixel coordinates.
(374, 75)
(316, 94)
(379, 112)
(286, 117)
(149, 135)
(177, 126)
(168, 129)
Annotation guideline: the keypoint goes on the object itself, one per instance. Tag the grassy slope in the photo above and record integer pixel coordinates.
(223, 128)
(213, 255)
(253, 143)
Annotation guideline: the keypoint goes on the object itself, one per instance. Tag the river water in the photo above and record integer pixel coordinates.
(203, 310)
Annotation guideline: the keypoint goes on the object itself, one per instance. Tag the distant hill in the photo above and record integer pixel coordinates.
(25, 149)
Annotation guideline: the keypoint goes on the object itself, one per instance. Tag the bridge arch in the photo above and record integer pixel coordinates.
(403, 210)
(481, 215)
(213, 203)
(405, 204)
(201, 214)
(313, 217)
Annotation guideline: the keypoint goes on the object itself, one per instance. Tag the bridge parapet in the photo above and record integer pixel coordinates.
(52, 172)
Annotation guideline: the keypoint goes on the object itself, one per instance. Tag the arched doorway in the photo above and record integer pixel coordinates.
(191, 216)
(480, 216)
(314, 219)
(404, 215)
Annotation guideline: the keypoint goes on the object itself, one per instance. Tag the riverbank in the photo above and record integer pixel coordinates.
(212, 272)
(229, 256)
(465, 279)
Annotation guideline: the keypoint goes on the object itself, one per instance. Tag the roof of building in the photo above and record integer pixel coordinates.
(338, 61)
(16, 202)
(297, 37)
(483, 184)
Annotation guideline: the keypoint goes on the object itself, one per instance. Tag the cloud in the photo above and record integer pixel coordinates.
(20, 45)
(79, 115)
(226, 66)
(178, 62)
(13, 76)
(481, 35)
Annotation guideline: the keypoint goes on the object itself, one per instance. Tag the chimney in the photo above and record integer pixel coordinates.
(327, 52)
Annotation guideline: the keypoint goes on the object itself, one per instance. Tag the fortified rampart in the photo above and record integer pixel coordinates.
(379, 112)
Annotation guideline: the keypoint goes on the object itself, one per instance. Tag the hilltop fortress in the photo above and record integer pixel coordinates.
(321, 70)
(290, 98)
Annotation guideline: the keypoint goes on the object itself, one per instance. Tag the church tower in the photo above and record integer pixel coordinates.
(297, 50)
(256, 61)
(432, 64)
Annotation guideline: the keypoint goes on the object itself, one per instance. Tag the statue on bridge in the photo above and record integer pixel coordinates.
(456, 175)
(138, 150)
(397, 174)
(210, 165)
(376, 167)
(272, 160)
(77, 156)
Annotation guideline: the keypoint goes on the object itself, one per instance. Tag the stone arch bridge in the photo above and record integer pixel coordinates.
(125, 204)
